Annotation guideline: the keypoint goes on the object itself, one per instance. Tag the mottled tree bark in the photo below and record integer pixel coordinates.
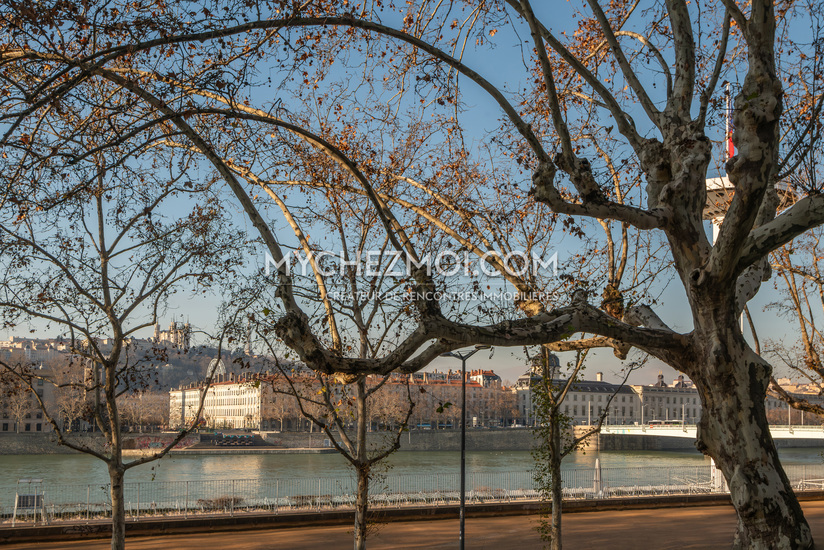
(732, 381)
(362, 466)
(362, 509)
(556, 495)
(116, 478)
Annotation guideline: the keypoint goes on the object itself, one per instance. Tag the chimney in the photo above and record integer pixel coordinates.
(599, 376)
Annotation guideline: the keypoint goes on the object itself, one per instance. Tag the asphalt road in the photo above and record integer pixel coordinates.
(708, 527)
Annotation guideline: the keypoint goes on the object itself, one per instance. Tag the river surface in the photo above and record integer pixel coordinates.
(84, 469)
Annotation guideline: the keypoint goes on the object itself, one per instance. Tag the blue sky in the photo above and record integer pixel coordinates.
(502, 65)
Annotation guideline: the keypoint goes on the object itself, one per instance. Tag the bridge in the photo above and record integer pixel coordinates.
(688, 431)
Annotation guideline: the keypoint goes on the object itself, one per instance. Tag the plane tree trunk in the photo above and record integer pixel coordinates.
(732, 381)
(362, 466)
(116, 478)
(362, 509)
(556, 494)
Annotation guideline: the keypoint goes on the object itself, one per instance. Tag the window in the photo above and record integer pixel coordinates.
(575, 397)
(5, 426)
(40, 427)
(28, 427)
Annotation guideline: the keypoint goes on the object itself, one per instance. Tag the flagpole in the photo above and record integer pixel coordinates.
(728, 141)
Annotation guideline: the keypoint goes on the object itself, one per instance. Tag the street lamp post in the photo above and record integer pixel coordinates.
(652, 410)
(463, 356)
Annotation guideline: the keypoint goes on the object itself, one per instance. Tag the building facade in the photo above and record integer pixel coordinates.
(178, 335)
(660, 401)
(20, 410)
(262, 402)
(632, 404)
(229, 404)
(34, 349)
(584, 403)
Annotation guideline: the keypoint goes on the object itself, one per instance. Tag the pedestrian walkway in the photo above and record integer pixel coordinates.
(706, 527)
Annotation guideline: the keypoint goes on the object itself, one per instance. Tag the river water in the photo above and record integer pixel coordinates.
(84, 469)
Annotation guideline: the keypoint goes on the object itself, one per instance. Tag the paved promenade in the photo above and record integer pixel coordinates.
(706, 527)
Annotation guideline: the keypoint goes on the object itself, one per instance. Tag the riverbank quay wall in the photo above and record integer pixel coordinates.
(504, 439)
(508, 439)
(512, 439)
(46, 443)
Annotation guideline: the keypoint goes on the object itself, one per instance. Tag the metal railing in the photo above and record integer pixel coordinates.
(242, 496)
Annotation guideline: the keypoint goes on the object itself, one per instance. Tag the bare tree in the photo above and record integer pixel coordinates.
(798, 266)
(17, 400)
(555, 435)
(643, 84)
(69, 391)
(342, 406)
(387, 411)
(144, 409)
(281, 406)
(343, 412)
(96, 257)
